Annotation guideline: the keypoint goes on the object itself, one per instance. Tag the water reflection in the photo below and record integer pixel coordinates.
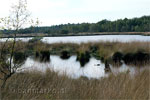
(72, 68)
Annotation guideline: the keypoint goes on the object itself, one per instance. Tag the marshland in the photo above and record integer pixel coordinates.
(105, 70)
(80, 49)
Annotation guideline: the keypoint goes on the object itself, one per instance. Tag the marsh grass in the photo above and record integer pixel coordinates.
(100, 50)
(29, 85)
(26, 85)
(105, 48)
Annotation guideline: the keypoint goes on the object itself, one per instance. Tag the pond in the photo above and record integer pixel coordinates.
(72, 68)
(95, 38)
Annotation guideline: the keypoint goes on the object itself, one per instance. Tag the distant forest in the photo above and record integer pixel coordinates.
(141, 24)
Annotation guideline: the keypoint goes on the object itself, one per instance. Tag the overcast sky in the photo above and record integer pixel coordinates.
(54, 12)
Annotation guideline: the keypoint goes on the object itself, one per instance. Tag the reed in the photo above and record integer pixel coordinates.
(50, 85)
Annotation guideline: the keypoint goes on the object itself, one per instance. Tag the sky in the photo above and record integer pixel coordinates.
(55, 12)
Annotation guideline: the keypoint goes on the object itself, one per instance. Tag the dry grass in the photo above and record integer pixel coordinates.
(28, 85)
(107, 48)
(103, 47)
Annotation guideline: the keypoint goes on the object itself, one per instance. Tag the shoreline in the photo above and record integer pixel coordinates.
(75, 34)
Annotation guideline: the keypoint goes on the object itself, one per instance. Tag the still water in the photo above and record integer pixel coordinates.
(95, 38)
(72, 68)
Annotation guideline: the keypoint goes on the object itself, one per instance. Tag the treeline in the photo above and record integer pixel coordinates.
(141, 24)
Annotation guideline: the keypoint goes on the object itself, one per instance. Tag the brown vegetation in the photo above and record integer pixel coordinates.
(107, 47)
(36, 85)
(49, 85)
(100, 50)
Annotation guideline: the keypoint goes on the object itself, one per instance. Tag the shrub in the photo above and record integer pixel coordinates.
(19, 57)
(141, 57)
(43, 55)
(117, 57)
(136, 58)
(65, 54)
(83, 57)
(128, 58)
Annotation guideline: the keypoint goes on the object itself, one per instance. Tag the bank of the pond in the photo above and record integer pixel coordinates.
(74, 34)
(51, 85)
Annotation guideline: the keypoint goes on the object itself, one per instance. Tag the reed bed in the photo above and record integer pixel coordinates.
(50, 85)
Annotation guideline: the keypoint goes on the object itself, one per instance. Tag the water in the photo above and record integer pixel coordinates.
(72, 68)
(95, 38)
